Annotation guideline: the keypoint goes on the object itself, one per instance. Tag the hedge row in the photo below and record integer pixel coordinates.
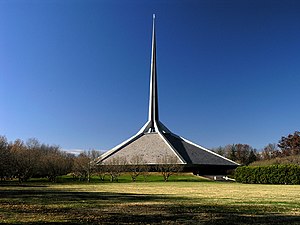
(274, 174)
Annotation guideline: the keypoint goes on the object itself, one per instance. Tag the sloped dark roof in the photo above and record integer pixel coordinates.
(194, 154)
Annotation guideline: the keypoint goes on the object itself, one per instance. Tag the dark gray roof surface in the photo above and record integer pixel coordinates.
(192, 154)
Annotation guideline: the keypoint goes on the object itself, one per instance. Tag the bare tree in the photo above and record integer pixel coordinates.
(245, 154)
(168, 165)
(115, 167)
(270, 151)
(24, 160)
(33, 148)
(137, 165)
(242, 153)
(219, 150)
(101, 170)
(55, 162)
(84, 164)
(145, 171)
(5, 159)
(93, 155)
(290, 145)
(230, 152)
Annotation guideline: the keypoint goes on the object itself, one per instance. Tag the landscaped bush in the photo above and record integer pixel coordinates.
(274, 174)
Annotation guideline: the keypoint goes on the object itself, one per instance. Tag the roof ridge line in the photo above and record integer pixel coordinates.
(205, 149)
(105, 155)
(171, 147)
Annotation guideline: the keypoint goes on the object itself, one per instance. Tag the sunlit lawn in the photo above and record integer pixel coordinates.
(182, 202)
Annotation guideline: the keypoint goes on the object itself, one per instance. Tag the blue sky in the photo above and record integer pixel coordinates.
(76, 73)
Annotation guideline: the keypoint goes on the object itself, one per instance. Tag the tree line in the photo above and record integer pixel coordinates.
(286, 150)
(24, 160)
(31, 159)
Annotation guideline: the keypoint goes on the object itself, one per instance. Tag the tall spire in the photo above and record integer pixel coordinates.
(153, 98)
(155, 140)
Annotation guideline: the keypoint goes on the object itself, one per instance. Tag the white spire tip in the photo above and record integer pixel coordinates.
(153, 16)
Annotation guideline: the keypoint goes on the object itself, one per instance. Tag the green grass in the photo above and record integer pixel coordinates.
(126, 178)
(185, 199)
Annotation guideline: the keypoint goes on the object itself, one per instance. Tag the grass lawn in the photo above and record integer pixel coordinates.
(183, 200)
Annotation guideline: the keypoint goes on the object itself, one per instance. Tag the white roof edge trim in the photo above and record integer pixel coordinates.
(142, 130)
(116, 148)
(171, 147)
(212, 152)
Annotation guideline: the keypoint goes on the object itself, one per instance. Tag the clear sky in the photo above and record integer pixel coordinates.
(76, 73)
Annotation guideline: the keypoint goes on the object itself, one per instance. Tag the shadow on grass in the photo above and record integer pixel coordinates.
(21, 185)
(125, 208)
(64, 197)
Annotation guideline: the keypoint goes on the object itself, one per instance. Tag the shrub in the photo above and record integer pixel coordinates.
(273, 174)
